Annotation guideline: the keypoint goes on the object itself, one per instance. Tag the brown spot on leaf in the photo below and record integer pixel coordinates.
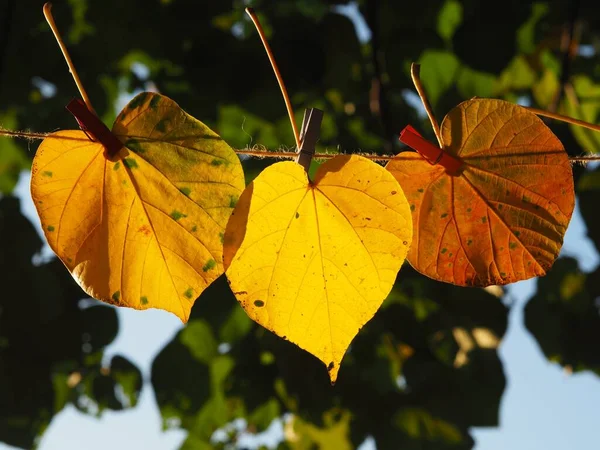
(145, 229)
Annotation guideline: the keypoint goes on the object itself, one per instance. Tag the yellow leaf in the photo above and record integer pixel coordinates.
(313, 262)
(143, 229)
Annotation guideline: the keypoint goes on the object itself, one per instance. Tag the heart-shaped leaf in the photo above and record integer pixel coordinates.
(313, 262)
(143, 229)
(503, 218)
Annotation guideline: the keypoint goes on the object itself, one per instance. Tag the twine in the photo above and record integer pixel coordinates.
(256, 152)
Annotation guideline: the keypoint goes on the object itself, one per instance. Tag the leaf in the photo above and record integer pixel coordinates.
(197, 336)
(582, 103)
(314, 261)
(128, 378)
(263, 415)
(526, 34)
(545, 89)
(588, 189)
(143, 229)
(439, 72)
(518, 75)
(302, 435)
(420, 424)
(563, 316)
(504, 217)
(448, 19)
(471, 83)
(12, 159)
(116, 387)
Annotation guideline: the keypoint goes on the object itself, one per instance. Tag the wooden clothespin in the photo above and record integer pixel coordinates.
(93, 127)
(309, 135)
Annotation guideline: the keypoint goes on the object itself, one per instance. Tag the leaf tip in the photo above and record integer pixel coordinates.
(333, 369)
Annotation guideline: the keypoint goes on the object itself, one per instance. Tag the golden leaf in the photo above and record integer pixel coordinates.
(144, 228)
(313, 262)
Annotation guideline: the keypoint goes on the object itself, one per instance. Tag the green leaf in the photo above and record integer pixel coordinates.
(128, 378)
(236, 326)
(518, 75)
(588, 189)
(583, 102)
(545, 89)
(438, 73)
(198, 337)
(473, 83)
(192, 442)
(241, 128)
(12, 158)
(563, 316)
(449, 19)
(264, 414)
(526, 38)
(421, 425)
(334, 435)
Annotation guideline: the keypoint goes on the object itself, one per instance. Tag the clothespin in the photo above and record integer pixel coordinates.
(432, 153)
(309, 134)
(93, 127)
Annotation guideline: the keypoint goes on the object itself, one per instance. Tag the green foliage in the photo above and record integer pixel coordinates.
(563, 316)
(12, 159)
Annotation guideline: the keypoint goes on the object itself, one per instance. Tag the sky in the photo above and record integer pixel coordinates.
(543, 407)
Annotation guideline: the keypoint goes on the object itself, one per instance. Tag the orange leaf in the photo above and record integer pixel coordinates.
(503, 218)
(144, 228)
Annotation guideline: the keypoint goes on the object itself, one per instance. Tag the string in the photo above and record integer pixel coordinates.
(255, 152)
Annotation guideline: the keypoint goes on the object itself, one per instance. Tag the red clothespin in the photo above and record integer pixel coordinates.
(91, 125)
(432, 153)
(309, 135)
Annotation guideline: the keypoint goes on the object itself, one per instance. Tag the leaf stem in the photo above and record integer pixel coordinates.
(63, 48)
(561, 118)
(415, 69)
(286, 98)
